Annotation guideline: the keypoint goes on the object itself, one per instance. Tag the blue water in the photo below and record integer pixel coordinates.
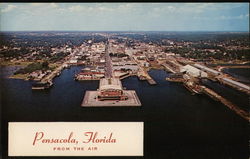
(177, 124)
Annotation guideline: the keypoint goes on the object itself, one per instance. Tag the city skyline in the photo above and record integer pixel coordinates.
(124, 17)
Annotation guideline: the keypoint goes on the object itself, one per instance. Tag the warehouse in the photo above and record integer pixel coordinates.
(209, 70)
(192, 71)
(235, 83)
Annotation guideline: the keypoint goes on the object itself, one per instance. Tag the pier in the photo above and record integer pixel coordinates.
(151, 81)
(227, 103)
(53, 74)
(234, 84)
(90, 100)
(143, 75)
(192, 83)
(47, 81)
(110, 92)
(168, 68)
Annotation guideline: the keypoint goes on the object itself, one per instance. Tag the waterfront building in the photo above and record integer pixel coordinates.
(89, 75)
(209, 70)
(111, 89)
(192, 71)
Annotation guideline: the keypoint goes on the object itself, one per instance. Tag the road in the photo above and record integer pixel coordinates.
(108, 73)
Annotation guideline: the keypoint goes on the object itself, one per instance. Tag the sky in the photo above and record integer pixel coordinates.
(124, 17)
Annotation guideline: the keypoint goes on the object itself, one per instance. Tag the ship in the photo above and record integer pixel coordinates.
(192, 87)
(40, 85)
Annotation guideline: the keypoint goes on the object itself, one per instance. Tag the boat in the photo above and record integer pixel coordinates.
(195, 89)
(41, 86)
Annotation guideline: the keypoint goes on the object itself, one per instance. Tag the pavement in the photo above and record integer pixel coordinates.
(90, 100)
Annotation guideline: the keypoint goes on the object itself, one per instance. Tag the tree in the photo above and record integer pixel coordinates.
(45, 64)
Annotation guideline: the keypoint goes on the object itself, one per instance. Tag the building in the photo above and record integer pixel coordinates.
(192, 71)
(208, 70)
(89, 76)
(236, 84)
(125, 66)
(111, 89)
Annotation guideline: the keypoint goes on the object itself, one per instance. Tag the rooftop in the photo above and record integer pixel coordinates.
(110, 83)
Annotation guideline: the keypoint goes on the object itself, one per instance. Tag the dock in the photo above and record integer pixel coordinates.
(110, 92)
(53, 74)
(168, 68)
(151, 81)
(143, 75)
(90, 100)
(227, 103)
(126, 76)
(179, 80)
(234, 84)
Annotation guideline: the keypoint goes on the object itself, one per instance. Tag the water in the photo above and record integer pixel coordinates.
(243, 74)
(238, 98)
(7, 71)
(177, 124)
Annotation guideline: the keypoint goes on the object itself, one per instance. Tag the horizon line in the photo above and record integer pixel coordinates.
(124, 31)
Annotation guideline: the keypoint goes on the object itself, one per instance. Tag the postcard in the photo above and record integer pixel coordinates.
(125, 80)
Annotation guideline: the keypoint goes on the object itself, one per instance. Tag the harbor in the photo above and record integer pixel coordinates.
(110, 92)
(161, 104)
(47, 81)
(226, 102)
(182, 70)
(191, 75)
(90, 100)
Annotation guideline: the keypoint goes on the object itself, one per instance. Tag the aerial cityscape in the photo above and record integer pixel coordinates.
(192, 82)
(112, 57)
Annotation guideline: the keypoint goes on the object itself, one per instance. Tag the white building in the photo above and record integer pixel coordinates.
(209, 70)
(192, 71)
(125, 65)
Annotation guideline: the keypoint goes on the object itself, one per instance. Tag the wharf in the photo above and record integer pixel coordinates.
(90, 100)
(143, 75)
(53, 74)
(126, 76)
(151, 81)
(245, 89)
(109, 84)
(168, 68)
(227, 103)
(47, 81)
(175, 79)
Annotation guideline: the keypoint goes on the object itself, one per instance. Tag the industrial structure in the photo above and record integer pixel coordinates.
(192, 71)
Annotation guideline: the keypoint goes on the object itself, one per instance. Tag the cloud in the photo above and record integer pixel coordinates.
(239, 17)
(123, 15)
(9, 7)
(53, 5)
(36, 4)
(126, 7)
(223, 17)
(102, 8)
(76, 8)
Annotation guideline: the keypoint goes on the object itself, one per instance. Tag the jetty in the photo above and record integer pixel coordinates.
(110, 92)
(143, 75)
(47, 81)
(227, 103)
